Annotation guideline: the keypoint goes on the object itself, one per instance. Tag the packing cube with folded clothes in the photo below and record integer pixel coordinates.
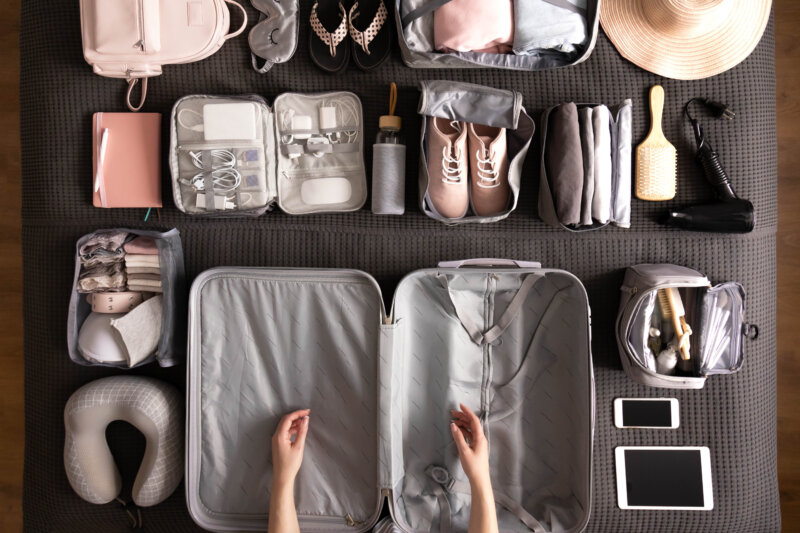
(510, 340)
(127, 299)
(585, 171)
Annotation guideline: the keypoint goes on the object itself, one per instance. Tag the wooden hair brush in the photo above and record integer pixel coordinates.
(656, 158)
(672, 309)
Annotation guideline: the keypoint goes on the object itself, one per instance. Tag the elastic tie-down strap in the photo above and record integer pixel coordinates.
(446, 483)
(493, 334)
(208, 179)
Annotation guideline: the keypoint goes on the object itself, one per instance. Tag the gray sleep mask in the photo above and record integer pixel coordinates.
(274, 37)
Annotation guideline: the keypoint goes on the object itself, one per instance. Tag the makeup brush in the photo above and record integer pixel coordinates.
(656, 158)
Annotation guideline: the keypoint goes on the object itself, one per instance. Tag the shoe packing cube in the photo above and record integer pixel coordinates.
(467, 103)
(509, 339)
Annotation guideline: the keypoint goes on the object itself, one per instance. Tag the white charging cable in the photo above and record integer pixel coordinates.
(224, 175)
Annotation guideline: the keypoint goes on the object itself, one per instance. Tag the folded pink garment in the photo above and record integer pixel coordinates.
(142, 245)
(474, 26)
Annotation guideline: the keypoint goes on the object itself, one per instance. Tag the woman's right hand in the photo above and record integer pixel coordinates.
(473, 448)
(287, 454)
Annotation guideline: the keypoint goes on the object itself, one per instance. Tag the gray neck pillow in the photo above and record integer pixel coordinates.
(155, 408)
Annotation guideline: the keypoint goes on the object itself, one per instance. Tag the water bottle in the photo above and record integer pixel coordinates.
(389, 163)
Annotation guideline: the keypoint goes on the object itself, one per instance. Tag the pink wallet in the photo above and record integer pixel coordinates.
(126, 149)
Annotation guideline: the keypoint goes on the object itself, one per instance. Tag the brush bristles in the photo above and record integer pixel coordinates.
(656, 172)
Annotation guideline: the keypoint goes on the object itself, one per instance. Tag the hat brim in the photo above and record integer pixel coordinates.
(669, 53)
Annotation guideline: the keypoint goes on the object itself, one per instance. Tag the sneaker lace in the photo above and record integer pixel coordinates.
(487, 170)
(451, 166)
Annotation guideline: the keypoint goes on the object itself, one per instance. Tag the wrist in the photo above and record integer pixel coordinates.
(283, 481)
(480, 483)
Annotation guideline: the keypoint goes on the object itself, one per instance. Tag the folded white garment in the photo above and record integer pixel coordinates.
(549, 25)
(140, 330)
(601, 201)
(141, 260)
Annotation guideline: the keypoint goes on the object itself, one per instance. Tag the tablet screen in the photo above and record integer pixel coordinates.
(664, 478)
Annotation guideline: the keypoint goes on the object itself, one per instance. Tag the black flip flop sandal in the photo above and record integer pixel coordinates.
(328, 44)
(371, 32)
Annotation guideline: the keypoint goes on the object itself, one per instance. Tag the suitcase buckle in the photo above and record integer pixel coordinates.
(441, 476)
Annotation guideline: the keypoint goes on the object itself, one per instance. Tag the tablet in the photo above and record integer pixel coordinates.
(664, 477)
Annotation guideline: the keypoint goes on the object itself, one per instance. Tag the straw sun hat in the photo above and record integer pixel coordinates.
(685, 39)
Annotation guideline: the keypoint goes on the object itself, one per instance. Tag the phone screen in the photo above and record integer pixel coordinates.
(641, 413)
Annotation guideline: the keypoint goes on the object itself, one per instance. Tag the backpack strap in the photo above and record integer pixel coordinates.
(244, 21)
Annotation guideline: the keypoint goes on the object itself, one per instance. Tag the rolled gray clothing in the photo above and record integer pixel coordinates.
(104, 242)
(565, 163)
(587, 145)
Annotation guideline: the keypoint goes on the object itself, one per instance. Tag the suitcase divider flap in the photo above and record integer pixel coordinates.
(264, 342)
(504, 341)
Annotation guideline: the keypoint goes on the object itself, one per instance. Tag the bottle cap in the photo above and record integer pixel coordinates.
(392, 122)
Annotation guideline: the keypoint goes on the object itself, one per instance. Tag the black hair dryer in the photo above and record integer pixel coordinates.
(730, 215)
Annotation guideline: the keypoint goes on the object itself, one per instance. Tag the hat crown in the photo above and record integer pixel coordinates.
(687, 18)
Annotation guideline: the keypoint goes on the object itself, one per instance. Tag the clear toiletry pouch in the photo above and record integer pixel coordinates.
(234, 156)
(415, 34)
(469, 103)
(222, 155)
(618, 210)
(715, 316)
(168, 340)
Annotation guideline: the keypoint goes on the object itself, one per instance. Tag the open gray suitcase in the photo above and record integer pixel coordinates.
(509, 339)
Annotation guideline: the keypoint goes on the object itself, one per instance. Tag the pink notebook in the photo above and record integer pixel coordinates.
(126, 150)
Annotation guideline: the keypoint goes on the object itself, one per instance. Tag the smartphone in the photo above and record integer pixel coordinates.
(664, 477)
(649, 413)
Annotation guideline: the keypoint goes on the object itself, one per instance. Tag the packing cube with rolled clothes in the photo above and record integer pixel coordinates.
(473, 145)
(585, 170)
(127, 295)
(674, 328)
(509, 339)
(511, 34)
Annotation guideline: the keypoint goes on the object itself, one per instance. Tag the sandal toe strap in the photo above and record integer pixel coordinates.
(331, 39)
(364, 38)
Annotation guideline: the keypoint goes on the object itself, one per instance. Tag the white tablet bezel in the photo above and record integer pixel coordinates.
(674, 412)
(705, 467)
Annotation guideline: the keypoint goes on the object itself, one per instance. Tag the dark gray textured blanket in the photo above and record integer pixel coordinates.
(732, 415)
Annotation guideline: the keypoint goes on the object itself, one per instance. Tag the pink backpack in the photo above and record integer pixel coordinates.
(132, 39)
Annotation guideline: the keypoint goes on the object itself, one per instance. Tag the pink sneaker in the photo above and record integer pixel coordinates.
(448, 192)
(488, 161)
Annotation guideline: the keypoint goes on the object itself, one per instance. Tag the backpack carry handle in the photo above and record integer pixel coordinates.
(131, 84)
(244, 22)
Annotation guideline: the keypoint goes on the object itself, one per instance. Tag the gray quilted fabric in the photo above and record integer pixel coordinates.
(733, 415)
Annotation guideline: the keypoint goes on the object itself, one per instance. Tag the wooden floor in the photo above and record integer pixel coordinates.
(11, 360)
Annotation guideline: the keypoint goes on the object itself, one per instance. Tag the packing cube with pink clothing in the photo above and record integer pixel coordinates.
(511, 34)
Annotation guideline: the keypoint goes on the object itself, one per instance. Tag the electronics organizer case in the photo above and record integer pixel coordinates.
(510, 341)
(467, 102)
(420, 29)
(281, 176)
(171, 349)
